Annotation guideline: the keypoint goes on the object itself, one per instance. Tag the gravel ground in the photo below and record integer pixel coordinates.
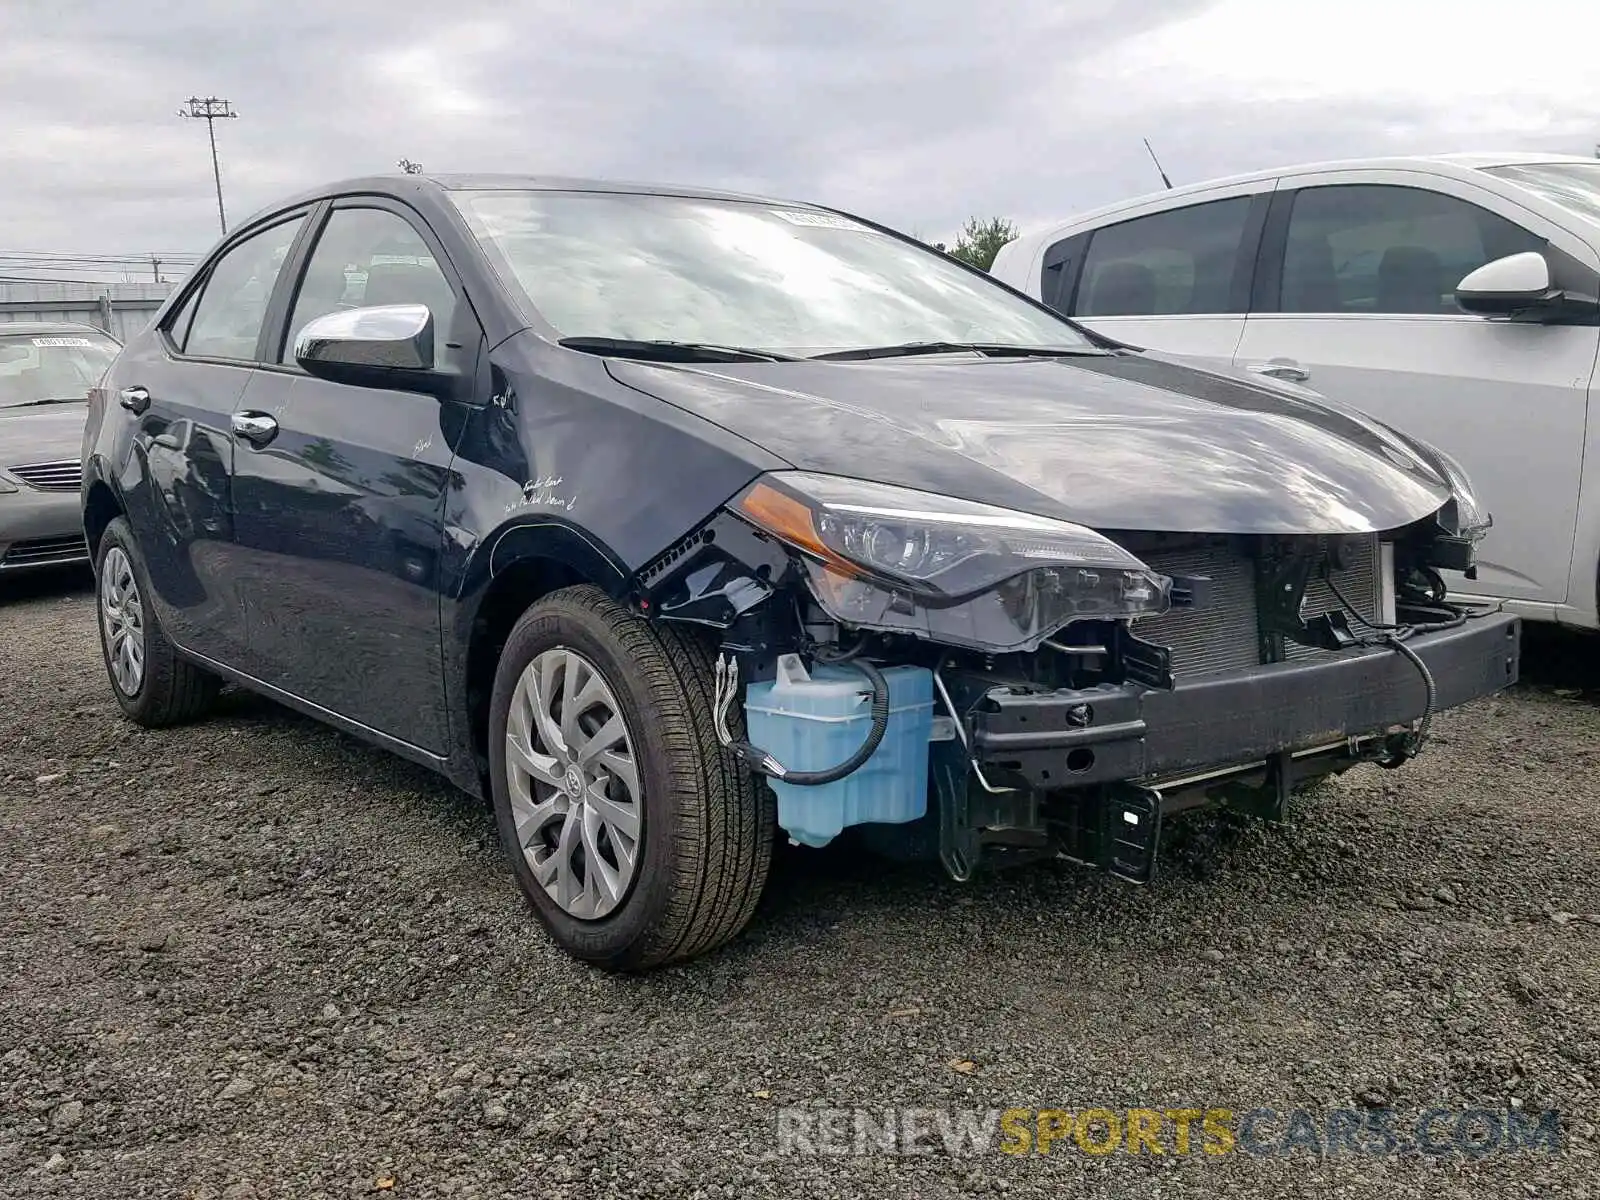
(253, 958)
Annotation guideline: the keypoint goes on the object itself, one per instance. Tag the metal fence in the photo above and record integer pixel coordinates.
(121, 309)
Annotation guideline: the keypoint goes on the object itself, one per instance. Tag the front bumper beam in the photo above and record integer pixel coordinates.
(1112, 733)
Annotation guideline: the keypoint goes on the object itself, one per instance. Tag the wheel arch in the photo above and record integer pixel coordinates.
(511, 571)
(101, 506)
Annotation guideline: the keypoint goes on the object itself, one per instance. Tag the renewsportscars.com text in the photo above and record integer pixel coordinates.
(1212, 1131)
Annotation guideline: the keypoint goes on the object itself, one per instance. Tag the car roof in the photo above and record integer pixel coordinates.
(49, 328)
(401, 184)
(1471, 160)
(1452, 164)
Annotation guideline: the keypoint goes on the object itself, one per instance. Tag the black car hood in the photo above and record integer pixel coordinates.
(41, 434)
(1132, 442)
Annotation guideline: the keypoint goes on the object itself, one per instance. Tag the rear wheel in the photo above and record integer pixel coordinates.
(152, 684)
(637, 838)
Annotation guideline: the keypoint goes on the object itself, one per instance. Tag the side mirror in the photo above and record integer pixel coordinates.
(1508, 286)
(387, 346)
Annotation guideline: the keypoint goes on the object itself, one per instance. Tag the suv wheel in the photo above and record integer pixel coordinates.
(151, 683)
(637, 838)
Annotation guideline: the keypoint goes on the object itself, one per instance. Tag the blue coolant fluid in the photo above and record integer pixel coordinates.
(811, 721)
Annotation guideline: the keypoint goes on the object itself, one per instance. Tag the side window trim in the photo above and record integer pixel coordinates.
(278, 318)
(1060, 270)
(287, 284)
(1266, 294)
(185, 305)
(1245, 267)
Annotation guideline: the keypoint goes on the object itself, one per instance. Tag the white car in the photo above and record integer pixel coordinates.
(1453, 297)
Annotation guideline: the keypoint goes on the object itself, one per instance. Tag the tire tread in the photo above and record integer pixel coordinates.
(723, 841)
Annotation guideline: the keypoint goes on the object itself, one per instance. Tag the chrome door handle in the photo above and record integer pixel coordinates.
(134, 399)
(1282, 368)
(256, 428)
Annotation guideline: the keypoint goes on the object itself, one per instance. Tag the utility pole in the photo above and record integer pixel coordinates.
(211, 110)
(155, 269)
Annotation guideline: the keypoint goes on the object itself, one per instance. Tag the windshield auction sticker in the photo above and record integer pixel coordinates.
(61, 341)
(817, 220)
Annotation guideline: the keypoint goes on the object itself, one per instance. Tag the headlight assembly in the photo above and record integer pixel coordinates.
(1471, 519)
(953, 571)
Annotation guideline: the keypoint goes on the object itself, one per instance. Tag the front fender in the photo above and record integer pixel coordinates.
(534, 538)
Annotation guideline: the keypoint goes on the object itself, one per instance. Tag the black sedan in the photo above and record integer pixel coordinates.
(671, 519)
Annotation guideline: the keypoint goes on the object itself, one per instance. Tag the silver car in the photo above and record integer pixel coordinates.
(46, 371)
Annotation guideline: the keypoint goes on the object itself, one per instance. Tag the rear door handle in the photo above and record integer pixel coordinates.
(256, 428)
(1281, 368)
(134, 399)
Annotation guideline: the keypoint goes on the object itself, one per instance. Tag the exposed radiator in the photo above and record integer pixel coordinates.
(1222, 634)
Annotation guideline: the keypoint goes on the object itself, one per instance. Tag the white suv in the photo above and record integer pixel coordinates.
(1454, 297)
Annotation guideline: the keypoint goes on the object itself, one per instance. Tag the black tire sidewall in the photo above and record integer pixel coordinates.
(624, 935)
(117, 535)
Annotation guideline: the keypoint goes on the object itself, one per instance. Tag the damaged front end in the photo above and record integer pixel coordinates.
(949, 679)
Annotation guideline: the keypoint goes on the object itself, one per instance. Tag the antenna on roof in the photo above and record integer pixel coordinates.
(1157, 162)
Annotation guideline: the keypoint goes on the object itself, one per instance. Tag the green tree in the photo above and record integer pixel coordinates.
(979, 241)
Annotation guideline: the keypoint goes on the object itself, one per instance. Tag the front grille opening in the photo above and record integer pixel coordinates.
(1224, 633)
(65, 476)
(38, 552)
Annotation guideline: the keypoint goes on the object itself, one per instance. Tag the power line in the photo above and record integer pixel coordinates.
(72, 260)
(211, 110)
(34, 266)
(7, 278)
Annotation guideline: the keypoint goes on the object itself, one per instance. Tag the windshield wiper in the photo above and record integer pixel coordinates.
(48, 400)
(989, 349)
(663, 351)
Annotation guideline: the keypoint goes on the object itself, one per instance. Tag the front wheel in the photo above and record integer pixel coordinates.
(637, 838)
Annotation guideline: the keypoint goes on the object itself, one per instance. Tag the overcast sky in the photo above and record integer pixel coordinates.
(914, 112)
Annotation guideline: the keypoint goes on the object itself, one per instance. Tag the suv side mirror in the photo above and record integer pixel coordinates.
(386, 346)
(1509, 286)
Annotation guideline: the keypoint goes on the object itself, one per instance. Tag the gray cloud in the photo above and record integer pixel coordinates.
(915, 113)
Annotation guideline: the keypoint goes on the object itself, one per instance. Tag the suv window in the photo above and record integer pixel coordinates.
(1378, 248)
(227, 320)
(366, 257)
(1179, 261)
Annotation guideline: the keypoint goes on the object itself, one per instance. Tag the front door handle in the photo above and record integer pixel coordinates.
(256, 428)
(1282, 368)
(134, 399)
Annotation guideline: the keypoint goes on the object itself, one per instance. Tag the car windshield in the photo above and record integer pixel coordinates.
(1574, 186)
(41, 367)
(734, 273)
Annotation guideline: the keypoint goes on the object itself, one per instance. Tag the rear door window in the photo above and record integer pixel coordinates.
(228, 318)
(1176, 262)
